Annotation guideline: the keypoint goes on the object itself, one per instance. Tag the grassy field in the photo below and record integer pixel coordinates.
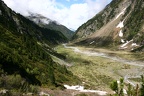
(97, 72)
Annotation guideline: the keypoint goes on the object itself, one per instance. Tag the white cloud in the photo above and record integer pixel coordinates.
(72, 16)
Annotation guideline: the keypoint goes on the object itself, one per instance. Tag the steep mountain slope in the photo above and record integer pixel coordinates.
(25, 50)
(53, 25)
(120, 23)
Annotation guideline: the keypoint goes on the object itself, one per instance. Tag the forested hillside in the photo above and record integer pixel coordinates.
(25, 50)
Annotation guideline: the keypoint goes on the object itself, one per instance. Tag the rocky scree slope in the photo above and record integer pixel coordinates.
(25, 50)
(50, 24)
(120, 23)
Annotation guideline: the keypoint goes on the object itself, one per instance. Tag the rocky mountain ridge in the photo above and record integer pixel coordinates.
(119, 24)
(50, 24)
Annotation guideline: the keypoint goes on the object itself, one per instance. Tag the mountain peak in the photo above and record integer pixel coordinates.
(50, 24)
(38, 18)
(120, 22)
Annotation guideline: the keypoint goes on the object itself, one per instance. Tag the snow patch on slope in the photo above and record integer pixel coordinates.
(134, 45)
(81, 89)
(122, 40)
(92, 42)
(121, 13)
(120, 25)
(77, 87)
(124, 46)
(129, 44)
(120, 33)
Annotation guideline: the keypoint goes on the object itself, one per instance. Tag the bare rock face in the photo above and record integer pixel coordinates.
(118, 23)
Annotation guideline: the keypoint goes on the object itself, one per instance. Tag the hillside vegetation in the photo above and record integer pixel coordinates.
(25, 50)
(119, 25)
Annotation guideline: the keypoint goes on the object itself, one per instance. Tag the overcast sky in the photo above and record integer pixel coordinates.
(71, 13)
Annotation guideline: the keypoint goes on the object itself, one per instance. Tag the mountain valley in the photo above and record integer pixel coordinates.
(40, 57)
(98, 67)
